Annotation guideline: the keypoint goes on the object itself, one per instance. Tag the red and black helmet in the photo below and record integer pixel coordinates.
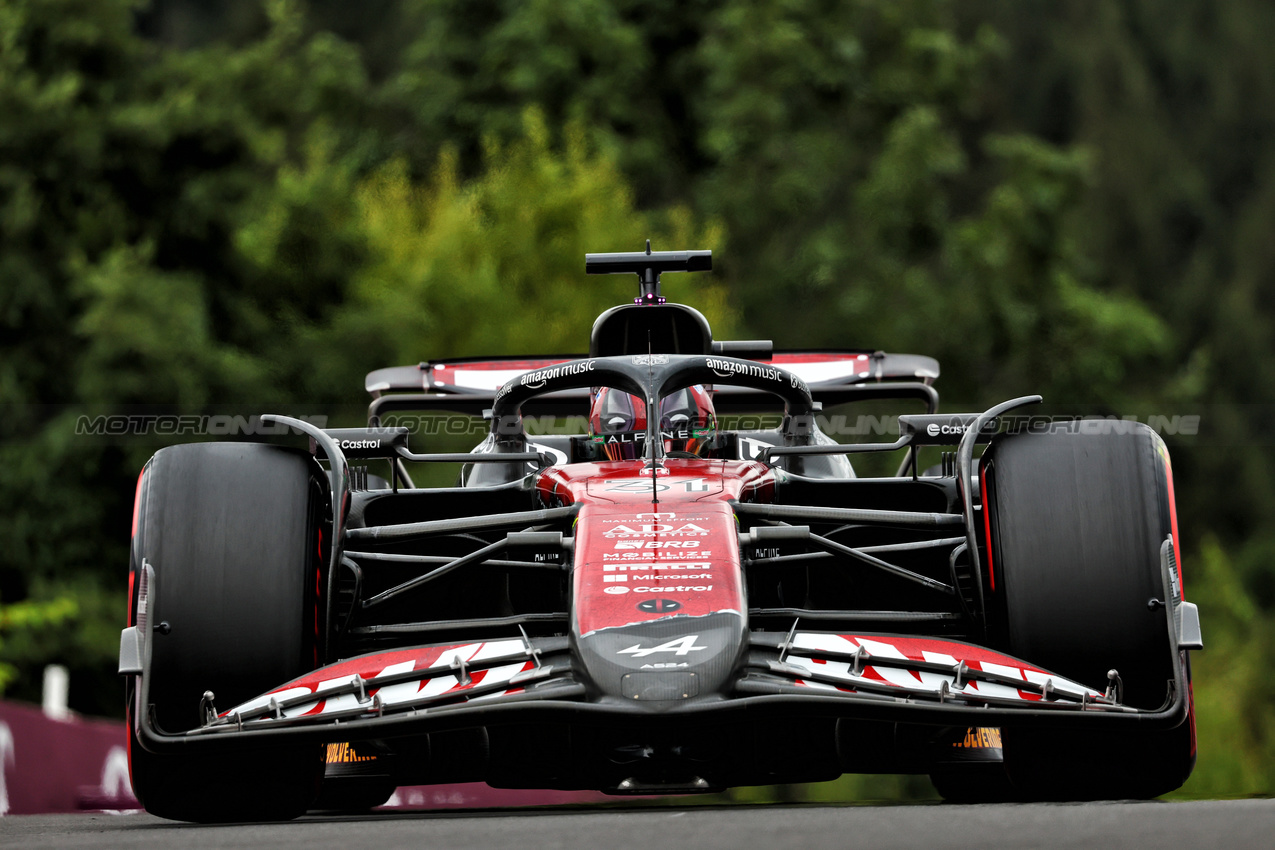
(617, 422)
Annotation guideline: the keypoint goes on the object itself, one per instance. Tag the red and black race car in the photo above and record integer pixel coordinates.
(663, 604)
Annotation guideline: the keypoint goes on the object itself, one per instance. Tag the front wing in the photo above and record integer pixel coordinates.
(799, 674)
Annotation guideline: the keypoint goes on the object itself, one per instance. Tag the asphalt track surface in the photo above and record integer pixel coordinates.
(1231, 824)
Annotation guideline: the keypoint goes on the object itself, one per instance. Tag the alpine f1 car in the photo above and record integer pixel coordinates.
(663, 604)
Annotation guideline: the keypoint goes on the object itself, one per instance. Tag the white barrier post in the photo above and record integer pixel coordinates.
(56, 683)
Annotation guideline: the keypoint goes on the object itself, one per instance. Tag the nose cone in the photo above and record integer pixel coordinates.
(665, 662)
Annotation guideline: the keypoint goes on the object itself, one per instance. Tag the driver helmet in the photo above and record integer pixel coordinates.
(617, 422)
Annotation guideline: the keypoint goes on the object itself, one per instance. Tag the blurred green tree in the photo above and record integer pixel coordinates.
(212, 227)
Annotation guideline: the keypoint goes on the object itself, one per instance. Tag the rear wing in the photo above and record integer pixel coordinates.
(471, 385)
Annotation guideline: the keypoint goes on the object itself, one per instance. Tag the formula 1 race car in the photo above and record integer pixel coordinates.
(663, 604)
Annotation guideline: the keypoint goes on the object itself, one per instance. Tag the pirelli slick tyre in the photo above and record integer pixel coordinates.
(230, 532)
(970, 769)
(1078, 518)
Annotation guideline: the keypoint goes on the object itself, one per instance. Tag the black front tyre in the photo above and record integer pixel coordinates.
(1078, 522)
(231, 531)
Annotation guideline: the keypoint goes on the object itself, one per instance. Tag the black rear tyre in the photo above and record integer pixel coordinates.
(975, 783)
(231, 532)
(1077, 524)
(354, 795)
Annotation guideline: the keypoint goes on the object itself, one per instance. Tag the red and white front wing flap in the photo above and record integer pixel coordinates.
(880, 663)
(398, 679)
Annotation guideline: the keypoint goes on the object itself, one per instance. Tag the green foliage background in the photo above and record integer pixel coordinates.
(245, 206)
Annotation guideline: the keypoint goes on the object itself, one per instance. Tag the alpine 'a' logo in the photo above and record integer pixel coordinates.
(681, 646)
(658, 606)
